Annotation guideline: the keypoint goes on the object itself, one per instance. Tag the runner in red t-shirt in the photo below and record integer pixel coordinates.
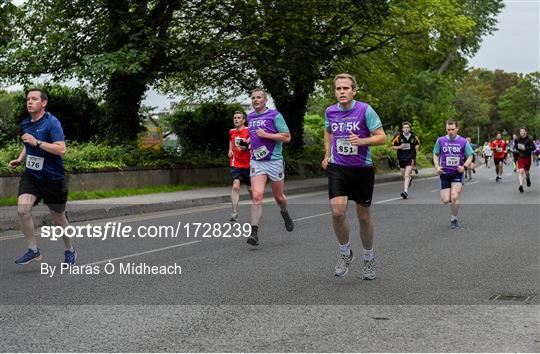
(239, 156)
(499, 147)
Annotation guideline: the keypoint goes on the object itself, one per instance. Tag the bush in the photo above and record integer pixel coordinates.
(313, 130)
(12, 109)
(205, 129)
(82, 157)
(383, 156)
(78, 112)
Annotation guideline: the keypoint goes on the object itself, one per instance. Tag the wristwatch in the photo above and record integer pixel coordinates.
(38, 143)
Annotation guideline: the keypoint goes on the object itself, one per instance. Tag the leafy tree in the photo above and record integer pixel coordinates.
(472, 104)
(121, 47)
(290, 48)
(520, 105)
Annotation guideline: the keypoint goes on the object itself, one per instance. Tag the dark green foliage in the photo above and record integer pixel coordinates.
(79, 113)
(12, 109)
(204, 129)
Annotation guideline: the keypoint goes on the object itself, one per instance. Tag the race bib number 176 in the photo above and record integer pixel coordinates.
(34, 163)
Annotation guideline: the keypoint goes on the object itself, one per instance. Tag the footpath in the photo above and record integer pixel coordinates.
(83, 210)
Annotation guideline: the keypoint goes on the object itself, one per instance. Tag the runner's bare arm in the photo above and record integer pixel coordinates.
(284, 137)
(19, 160)
(378, 137)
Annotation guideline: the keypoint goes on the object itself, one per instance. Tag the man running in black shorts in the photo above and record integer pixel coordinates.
(351, 128)
(43, 177)
(406, 144)
(239, 156)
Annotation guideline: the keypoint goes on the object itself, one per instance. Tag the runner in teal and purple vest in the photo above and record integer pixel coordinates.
(267, 132)
(351, 128)
(451, 155)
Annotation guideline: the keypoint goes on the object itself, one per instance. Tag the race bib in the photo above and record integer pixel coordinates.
(261, 152)
(344, 147)
(237, 141)
(498, 149)
(406, 146)
(521, 146)
(34, 163)
(452, 161)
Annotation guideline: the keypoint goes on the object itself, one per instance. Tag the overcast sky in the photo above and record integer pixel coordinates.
(515, 46)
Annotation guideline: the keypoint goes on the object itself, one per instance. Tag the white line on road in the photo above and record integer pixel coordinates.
(434, 190)
(312, 216)
(388, 200)
(469, 183)
(141, 253)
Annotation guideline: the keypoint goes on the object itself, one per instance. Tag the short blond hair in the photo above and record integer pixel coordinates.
(346, 76)
(259, 90)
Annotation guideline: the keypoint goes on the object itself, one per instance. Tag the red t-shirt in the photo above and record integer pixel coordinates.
(240, 157)
(498, 147)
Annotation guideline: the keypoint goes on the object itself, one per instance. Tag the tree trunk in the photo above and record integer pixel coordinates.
(293, 109)
(123, 99)
(450, 57)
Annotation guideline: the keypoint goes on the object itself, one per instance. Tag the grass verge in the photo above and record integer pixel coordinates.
(123, 192)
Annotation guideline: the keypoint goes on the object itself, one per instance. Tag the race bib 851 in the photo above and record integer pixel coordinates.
(344, 147)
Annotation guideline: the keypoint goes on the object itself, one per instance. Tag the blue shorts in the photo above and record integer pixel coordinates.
(448, 178)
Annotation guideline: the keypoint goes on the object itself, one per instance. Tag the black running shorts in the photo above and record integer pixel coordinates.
(241, 174)
(356, 183)
(405, 163)
(53, 192)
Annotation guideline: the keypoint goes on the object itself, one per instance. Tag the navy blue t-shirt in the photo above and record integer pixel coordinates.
(40, 163)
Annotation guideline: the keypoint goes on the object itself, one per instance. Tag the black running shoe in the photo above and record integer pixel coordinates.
(289, 224)
(520, 189)
(528, 181)
(253, 239)
(404, 195)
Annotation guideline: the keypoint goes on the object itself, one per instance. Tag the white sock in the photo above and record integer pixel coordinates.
(71, 249)
(368, 255)
(452, 218)
(33, 248)
(345, 249)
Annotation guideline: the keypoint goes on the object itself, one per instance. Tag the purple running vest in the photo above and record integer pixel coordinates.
(452, 153)
(262, 149)
(342, 123)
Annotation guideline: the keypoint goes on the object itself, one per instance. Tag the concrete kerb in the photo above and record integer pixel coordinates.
(9, 219)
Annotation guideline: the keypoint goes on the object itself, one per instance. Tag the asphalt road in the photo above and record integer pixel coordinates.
(437, 289)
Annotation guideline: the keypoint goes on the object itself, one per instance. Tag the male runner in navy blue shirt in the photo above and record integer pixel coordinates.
(43, 176)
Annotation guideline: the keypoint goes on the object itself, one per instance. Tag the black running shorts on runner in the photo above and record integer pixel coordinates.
(53, 192)
(241, 174)
(356, 183)
(405, 163)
